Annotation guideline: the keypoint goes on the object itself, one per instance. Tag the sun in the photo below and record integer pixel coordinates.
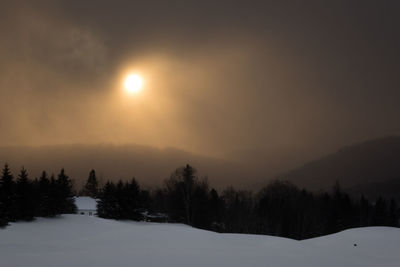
(133, 83)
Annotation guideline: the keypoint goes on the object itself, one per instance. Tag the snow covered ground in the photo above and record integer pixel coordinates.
(85, 203)
(84, 241)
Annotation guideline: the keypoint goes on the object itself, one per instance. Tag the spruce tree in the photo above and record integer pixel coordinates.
(8, 207)
(65, 197)
(107, 204)
(131, 201)
(122, 201)
(189, 179)
(25, 199)
(54, 201)
(91, 187)
(181, 189)
(42, 194)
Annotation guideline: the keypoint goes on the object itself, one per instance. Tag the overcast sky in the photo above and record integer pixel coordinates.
(222, 78)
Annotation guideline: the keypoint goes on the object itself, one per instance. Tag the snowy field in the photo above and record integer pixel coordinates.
(83, 241)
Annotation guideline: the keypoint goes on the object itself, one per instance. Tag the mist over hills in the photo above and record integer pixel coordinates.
(150, 166)
(371, 168)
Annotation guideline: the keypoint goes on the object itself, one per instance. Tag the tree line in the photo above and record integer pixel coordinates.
(279, 209)
(23, 199)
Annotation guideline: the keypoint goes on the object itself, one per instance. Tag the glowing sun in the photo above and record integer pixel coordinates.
(133, 83)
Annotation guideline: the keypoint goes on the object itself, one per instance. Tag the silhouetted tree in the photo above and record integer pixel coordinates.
(188, 197)
(180, 188)
(107, 203)
(122, 201)
(159, 200)
(91, 187)
(55, 200)
(239, 210)
(393, 213)
(7, 196)
(216, 207)
(280, 208)
(380, 214)
(26, 200)
(134, 200)
(65, 197)
(43, 189)
(364, 212)
(145, 200)
(343, 214)
(201, 210)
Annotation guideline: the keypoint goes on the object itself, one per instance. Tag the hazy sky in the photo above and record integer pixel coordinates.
(222, 78)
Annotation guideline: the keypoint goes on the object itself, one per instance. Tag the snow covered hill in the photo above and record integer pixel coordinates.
(83, 241)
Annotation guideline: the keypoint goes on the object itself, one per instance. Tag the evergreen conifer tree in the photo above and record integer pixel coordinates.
(8, 207)
(25, 198)
(107, 204)
(54, 201)
(42, 195)
(91, 187)
(65, 196)
(187, 195)
(131, 201)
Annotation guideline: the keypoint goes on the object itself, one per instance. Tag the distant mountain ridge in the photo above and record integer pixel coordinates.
(371, 167)
(368, 167)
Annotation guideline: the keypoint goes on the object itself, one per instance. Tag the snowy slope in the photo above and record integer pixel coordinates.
(84, 241)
